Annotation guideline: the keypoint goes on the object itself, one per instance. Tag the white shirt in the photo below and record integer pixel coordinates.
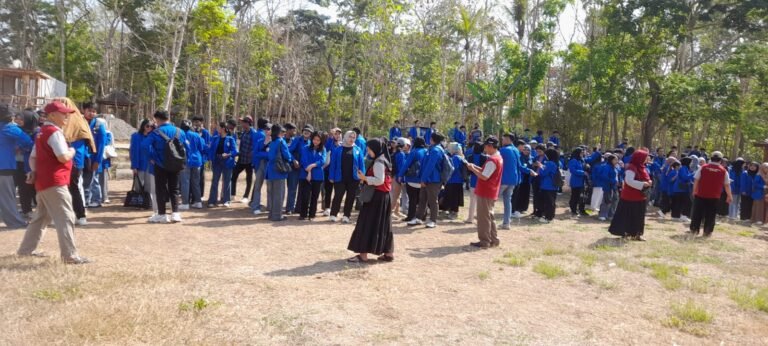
(490, 167)
(379, 174)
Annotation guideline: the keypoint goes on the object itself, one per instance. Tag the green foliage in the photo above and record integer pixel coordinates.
(690, 317)
(549, 270)
(750, 299)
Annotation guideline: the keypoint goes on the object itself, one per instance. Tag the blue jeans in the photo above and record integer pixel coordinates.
(293, 185)
(505, 194)
(608, 205)
(190, 179)
(91, 187)
(223, 173)
(258, 183)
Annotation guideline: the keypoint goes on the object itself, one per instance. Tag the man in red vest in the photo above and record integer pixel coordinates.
(51, 163)
(487, 191)
(708, 185)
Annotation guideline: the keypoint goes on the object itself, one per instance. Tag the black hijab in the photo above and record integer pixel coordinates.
(380, 152)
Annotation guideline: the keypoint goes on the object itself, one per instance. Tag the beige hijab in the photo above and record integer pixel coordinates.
(77, 128)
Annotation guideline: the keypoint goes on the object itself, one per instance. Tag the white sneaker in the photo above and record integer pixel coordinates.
(505, 226)
(431, 224)
(183, 206)
(245, 200)
(660, 213)
(198, 205)
(517, 215)
(415, 222)
(158, 219)
(601, 218)
(226, 205)
(81, 222)
(685, 219)
(94, 205)
(345, 220)
(332, 219)
(257, 212)
(543, 220)
(176, 217)
(327, 212)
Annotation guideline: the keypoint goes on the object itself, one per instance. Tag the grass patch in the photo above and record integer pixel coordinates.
(750, 299)
(703, 285)
(197, 305)
(667, 275)
(719, 245)
(686, 253)
(483, 275)
(690, 318)
(552, 251)
(748, 234)
(56, 295)
(602, 284)
(514, 260)
(588, 259)
(604, 247)
(627, 265)
(549, 270)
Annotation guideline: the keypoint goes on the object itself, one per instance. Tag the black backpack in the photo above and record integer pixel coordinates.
(558, 178)
(175, 156)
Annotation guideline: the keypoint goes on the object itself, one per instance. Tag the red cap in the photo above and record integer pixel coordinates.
(57, 106)
(247, 119)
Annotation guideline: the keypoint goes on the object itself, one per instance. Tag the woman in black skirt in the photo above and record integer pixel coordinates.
(629, 220)
(454, 187)
(522, 195)
(373, 231)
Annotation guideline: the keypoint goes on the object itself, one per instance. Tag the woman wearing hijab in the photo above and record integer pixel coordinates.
(278, 149)
(576, 167)
(346, 160)
(373, 230)
(629, 220)
(745, 185)
(454, 188)
(478, 159)
(758, 195)
(398, 155)
(548, 188)
(522, 195)
(139, 155)
(409, 174)
(222, 156)
(737, 168)
(681, 190)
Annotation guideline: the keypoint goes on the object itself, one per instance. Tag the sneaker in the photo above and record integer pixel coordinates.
(327, 212)
(81, 222)
(332, 219)
(183, 206)
(77, 260)
(505, 226)
(257, 212)
(415, 222)
(543, 220)
(660, 214)
(106, 201)
(245, 200)
(94, 205)
(431, 224)
(517, 215)
(685, 219)
(226, 204)
(601, 218)
(345, 219)
(176, 217)
(480, 245)
(159, 219)
(198, 205)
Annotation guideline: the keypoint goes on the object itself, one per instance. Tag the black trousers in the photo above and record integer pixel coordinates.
(202, 183)
(348, 188)
(704, 209)
(74, 190)
(746, 207)
(239, 167)
(309, 192)
(26, 191)
(665, 203)
(413, 200)
(328, 193)
(681, 205)
(548, 199)
(522, 197)
(576, 202)
(166, 189)
(536, 188)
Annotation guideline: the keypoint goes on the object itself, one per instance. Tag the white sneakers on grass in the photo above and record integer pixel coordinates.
(332, 219)
(158, 219)
(183, 206)
(327, 212)
(176, 217)
(415, 222)
(431, 224)
(81, 222)
(198, 205)
(517, 215)
(345, 220)
(245, 200)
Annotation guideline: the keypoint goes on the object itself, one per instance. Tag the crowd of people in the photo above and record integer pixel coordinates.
(413, 176)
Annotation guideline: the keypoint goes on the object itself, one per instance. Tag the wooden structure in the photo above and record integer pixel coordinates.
(23, 88)
(763, 145)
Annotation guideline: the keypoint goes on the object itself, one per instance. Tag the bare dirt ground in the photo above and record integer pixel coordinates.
(224, 276)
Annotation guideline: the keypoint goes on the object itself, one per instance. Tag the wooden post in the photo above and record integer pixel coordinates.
(763, 145)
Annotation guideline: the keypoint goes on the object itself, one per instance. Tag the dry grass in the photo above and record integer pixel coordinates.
(226, 277)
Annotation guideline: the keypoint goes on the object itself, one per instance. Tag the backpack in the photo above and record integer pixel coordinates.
(413, 169)
(175, 155)
(448, 169)
(558, 178)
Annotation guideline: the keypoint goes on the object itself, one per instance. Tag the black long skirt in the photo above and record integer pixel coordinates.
(629, 219)
(746, 207)
(722, 205)
(373, 231)
(522, 197)
(454, 197)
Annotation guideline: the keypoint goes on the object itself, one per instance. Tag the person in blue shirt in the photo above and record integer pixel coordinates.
(403, 146)
(333, 141)
(296, 146)
(259, 162)
(476, 135)
(432, 166)
(311, 176)
(681, 191)
(197, 126)
(452, 132)
(12, 138)
(346, 160)
(410, 174)
(608, 181)
(166, 181)
(222, 155)
(522, 193)
(139, 156)
(29, 123)
(415, 130)
(734, 173)
(460, 136)
(510, 176)
(555, 138)
(745, 186)
(759, 183)
(548, 188)
(276, 180)
(526, 135)
(94, 167)
(655, 171)
(190, 186)
(429, 132)
(454, 187)
(394, 131)
(578, 178)
(539, 138)
(668, 172)
(359, 139)
(244, 157)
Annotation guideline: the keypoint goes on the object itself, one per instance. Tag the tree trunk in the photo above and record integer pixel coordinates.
(178, 44)
(652, 117)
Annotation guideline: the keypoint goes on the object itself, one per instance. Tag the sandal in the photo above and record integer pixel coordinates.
(386, 258)
(357, 259)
